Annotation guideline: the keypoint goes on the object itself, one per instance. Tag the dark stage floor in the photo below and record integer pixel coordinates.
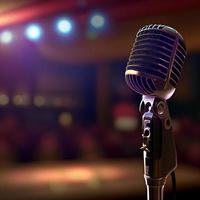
(119, 179)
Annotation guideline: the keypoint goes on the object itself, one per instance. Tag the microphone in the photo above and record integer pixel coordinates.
(153, 70)
(156, 61)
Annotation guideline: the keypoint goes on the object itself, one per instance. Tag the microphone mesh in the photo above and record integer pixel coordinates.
(157, 57)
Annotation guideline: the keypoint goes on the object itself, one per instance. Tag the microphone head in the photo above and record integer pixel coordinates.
(156, 61)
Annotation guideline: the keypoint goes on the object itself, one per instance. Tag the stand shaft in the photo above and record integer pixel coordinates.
(155, 193)
(159, 152)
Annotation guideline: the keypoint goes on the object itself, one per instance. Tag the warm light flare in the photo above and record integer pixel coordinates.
(34, 11)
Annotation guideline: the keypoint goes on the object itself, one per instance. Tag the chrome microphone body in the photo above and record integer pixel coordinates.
(153, 70)
(156, 61)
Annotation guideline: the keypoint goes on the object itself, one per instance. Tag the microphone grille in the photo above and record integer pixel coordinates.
(156, 59)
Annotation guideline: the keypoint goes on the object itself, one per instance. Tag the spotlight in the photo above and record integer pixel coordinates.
(64, 25)
(6, 37)
(97, 21)
(33, 32)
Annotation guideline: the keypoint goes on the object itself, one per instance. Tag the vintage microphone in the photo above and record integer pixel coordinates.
(153, 70)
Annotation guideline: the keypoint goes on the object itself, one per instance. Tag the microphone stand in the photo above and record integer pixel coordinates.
(159, 152)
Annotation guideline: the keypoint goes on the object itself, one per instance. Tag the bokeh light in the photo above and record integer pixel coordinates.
(39, 101)
(21, 100)
(97, 21)
(33, 32)
(64, 26)
(65, 119)
(4, 99)
(6, 36)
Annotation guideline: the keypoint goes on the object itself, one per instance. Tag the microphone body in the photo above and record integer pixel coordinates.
(153, 70)
(156, 61)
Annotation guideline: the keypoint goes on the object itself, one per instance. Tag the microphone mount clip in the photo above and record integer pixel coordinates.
(159, 152)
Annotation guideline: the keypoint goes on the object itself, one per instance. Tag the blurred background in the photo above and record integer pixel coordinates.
(69, 124)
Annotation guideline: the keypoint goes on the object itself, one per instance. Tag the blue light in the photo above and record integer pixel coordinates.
(64, 26)
(33, 32)
(97, 21)
(6, 37)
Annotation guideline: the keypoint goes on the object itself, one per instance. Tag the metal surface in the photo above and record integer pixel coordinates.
(155, 63)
